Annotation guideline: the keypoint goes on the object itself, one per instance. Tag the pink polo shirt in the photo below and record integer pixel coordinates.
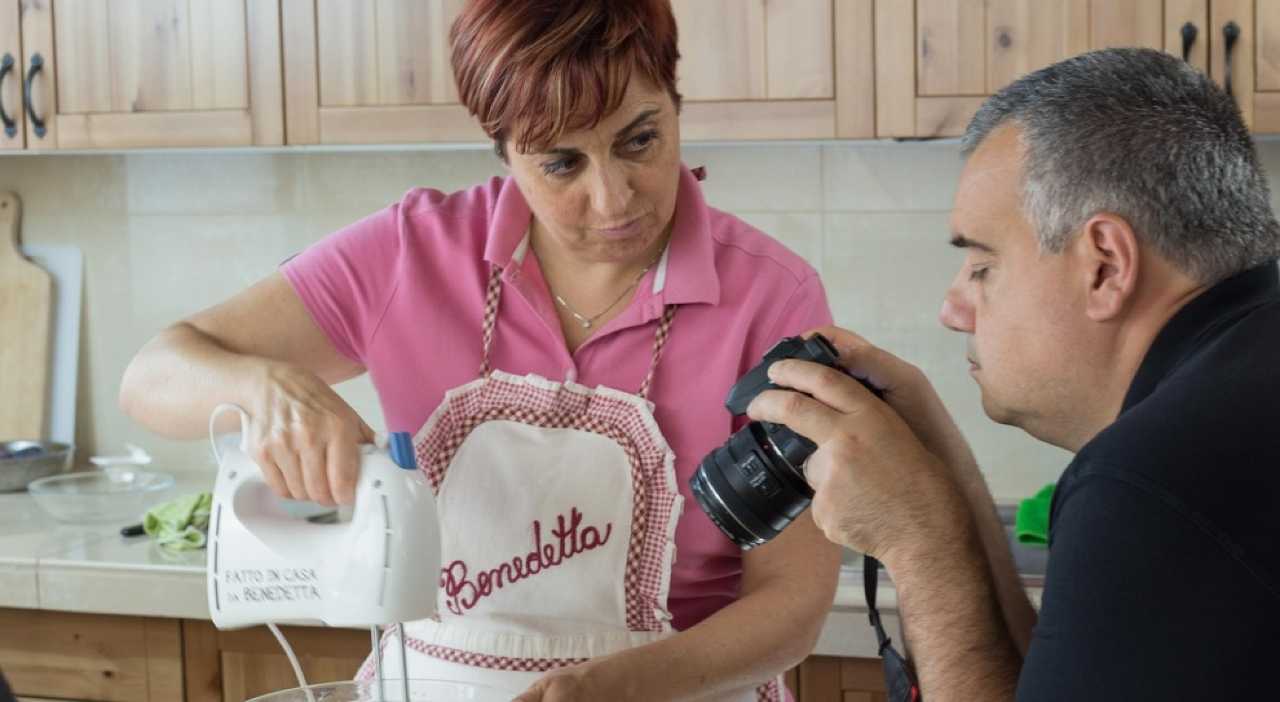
(402, 293)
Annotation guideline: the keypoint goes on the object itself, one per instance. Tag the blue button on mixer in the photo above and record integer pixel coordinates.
(400, 447)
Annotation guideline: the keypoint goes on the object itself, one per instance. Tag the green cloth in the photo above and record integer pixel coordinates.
(180, 523)
(1031, 525)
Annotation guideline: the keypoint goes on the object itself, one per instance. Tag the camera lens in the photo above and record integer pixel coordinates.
(752, 486)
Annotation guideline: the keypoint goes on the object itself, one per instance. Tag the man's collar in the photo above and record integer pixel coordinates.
(1195, 323)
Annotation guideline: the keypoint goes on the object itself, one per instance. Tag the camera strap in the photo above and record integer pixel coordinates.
(899, 682)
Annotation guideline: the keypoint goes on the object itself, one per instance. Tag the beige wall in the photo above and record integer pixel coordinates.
(167, 234)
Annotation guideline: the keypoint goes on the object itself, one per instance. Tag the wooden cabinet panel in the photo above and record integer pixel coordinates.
(219, 55)
(798, 36)
(347, 33)
(371, 72)
(722, 49)
(1268, 48)
(84, 54)
(388, 52)
(830, 679)
(1024, 35)
(91, 657)
(1126, 23)
(135, 73)
(1234, 68)
(950, 47)
(755, 49)
(132, 56)
(855, 73)
(1177, 14)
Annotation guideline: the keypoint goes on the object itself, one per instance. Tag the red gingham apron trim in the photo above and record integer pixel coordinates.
(607, 413)
(480, 660)
(768, 692)
(461, 657)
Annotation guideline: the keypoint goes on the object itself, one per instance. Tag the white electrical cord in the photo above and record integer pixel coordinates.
(293, 661)
(404, 664)
(377, 661)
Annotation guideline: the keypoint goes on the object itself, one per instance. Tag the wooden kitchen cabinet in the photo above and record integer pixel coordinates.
(937, 60)
(1253, 62)
(830, 679)
(91, 657)
(775, 69)
(147, 73)
(110, 658)
(371, 72)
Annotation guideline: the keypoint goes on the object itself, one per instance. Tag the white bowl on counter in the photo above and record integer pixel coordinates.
(111, 495)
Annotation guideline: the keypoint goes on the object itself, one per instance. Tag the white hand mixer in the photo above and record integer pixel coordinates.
(381, 568)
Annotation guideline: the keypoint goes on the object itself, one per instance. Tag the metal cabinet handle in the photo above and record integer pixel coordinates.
(10, 125)
(1230, 33)
(37, 63)
(1189, 33)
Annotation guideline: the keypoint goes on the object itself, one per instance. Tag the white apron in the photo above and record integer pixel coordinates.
(558, 506)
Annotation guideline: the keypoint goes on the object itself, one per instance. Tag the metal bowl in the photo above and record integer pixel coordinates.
(23, 461)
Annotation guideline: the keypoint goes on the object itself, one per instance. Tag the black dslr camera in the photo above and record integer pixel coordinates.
(753, 486)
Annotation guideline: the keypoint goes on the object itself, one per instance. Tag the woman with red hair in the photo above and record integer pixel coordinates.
(559, 343)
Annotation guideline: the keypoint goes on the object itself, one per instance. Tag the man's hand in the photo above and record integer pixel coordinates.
(906, 389)
(908, 392)
(878, 485)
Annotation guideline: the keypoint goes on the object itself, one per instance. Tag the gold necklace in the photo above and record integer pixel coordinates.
(586, 322)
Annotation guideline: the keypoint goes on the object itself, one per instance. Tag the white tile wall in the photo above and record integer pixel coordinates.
(165, 235)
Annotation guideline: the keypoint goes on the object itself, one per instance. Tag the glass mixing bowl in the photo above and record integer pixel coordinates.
(367, 691)
(114, 494)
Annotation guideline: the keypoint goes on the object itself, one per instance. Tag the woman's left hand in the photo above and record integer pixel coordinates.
(577, 683)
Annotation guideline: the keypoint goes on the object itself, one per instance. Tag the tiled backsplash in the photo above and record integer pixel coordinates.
(165, 235)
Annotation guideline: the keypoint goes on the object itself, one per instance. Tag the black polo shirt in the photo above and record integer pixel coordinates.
(1164, 566)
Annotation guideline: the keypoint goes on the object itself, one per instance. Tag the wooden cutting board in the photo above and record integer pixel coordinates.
(26, 305)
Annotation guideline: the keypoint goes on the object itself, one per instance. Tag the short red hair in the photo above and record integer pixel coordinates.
(531, 70)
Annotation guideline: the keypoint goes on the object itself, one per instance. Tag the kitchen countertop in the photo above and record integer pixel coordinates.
(45, 564)
(92, 568)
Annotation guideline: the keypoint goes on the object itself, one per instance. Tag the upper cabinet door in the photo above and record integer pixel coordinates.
(372, 71)
(755, 49)
(966, 50)
(761, 69)
(1252, 61)
(12, 111)
(152, 73)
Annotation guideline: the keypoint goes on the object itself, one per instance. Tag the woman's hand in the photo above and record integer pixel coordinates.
(304, 437)
(576, 683)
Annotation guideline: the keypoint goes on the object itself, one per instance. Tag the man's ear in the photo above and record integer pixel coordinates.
(1110, 256)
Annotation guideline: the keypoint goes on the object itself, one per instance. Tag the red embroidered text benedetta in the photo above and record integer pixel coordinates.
(463, 591)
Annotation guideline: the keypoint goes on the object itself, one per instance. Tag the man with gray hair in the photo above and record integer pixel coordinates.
(1122, 301)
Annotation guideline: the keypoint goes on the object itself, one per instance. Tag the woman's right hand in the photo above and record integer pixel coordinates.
(304, 437)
